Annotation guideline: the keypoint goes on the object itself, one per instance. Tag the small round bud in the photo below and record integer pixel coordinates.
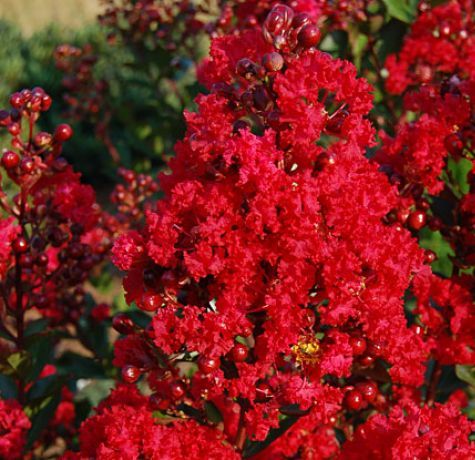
(358, 345)
(430, 256)
(20, 245)
(369, 390)
(177, 390)
(149, 302)
(14, 129)
(16, 100)
(309, 36)
(273, 62)
(207, 365)
(63, 132)
(130, 374)
(239, 353)
(354, 400)
(27, 165)
(10, 160)
(42, 139)
(123, 324)
(417, 219)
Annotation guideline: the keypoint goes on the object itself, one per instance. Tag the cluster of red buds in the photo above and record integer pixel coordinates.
(51, 242)
(165, 25)
(289, 32)
(132, 197)
(85, 94)
(54, 237)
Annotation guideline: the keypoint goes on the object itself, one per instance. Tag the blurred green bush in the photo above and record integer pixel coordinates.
(147, 90)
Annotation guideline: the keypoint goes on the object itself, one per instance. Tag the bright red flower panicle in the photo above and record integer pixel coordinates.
(14, 425)
(124, 428)
(268, 266)
(441, 43)
(413, 432)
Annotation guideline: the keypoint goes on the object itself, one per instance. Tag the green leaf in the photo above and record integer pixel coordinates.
(95, 391)
(36, 326)
(335, 43)
(16, 359)
(80, 366)
(466, 374)
(436, 242)
(41, 418)
(41, 351)
(45, 387)
(392, 35)
(18, 364)
(404, 10)
(94, 336)
(213, 413)
(459, 172)
(358, 46)
(8, 388)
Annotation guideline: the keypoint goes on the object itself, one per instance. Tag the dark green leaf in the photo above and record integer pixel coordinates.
(80, 366)
(41, 351)
(41, 418)
(213, 413)
(45, 387)
(8, 388)
(36, 326)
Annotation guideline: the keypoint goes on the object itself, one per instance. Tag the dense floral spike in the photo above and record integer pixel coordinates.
(284, 295)
(271, 234)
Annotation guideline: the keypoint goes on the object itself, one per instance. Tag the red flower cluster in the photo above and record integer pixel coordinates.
(53, 235)
(275, 283)
(14, 425)
(413, 432)
(124, 429)
(286, 307)
(441, 43)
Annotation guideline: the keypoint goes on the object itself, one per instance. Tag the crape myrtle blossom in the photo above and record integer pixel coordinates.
(274, 282)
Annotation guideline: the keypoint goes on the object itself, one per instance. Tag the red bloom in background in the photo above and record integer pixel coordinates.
(413, 432)
(441, 43)
(14, 425)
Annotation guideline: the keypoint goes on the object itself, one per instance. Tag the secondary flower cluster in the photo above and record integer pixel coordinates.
(53, 236)
(431, 160)
(441, 43)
